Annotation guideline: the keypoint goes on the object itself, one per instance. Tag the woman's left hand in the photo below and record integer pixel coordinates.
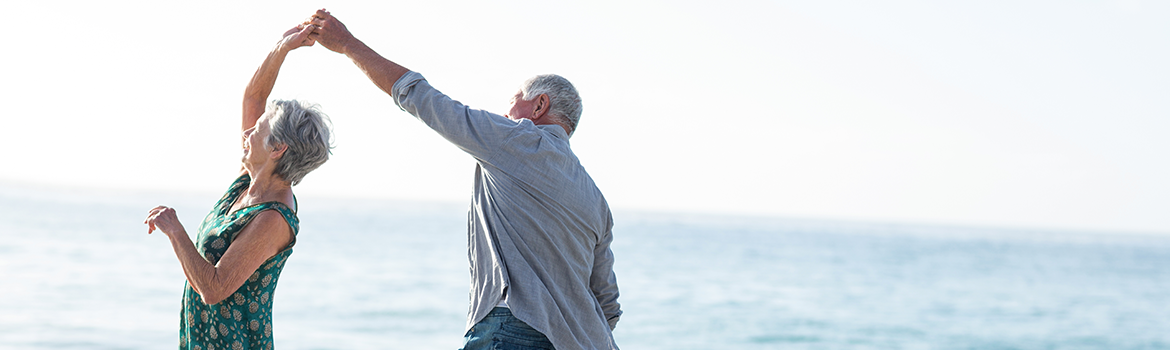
(297, 37)
(164, 219)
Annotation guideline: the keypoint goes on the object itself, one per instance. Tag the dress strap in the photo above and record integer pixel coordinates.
(289, 216)
(247, 214)
(238, 186)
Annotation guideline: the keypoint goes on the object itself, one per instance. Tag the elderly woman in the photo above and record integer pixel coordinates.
(245, 240)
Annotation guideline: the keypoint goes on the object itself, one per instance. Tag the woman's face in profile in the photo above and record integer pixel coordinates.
(254, 151)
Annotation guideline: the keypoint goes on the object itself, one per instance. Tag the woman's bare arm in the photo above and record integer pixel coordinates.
(264, 237)
(256, 94)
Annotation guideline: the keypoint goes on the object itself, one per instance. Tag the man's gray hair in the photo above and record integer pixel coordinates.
(566, 103)
(306, 130)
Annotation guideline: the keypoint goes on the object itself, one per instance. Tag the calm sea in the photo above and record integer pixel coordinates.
(78, 271)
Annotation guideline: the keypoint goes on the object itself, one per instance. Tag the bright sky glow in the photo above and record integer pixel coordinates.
(998, 113)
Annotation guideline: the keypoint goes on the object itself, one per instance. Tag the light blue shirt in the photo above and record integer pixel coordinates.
(538, 226)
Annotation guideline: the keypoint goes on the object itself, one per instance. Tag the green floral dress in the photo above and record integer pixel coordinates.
(244, 319)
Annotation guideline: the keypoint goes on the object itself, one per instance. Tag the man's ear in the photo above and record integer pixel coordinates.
(543, 104)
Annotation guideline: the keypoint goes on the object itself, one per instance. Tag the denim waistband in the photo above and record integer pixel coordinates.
(499, 312)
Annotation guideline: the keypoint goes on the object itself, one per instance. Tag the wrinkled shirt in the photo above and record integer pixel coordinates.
(538, 226)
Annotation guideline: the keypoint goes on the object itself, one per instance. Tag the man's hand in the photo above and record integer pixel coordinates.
(329, 31)
(297, 37)
(333, 35)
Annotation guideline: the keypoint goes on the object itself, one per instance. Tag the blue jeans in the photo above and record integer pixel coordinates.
(499, 330)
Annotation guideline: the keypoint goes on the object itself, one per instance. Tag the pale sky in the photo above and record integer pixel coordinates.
(1041, 114)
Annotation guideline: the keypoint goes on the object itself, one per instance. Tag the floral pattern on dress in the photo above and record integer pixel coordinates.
(244, 319)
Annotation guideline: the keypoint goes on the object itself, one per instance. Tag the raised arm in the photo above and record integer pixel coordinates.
(256, 94)
(474, 131)
(333, 35)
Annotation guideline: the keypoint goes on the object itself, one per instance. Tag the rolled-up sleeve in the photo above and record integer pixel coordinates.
(402, 87)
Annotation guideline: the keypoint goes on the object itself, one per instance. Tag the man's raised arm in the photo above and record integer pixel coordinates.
(477, 132)
(331, 33)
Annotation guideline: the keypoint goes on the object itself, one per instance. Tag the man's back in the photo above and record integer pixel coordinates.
(539, 228)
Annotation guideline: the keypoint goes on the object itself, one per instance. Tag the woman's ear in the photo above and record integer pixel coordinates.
(278, 151)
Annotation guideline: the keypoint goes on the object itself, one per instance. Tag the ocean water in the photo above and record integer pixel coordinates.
(78, 271)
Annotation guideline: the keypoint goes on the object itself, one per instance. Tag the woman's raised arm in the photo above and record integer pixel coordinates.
(256, 94)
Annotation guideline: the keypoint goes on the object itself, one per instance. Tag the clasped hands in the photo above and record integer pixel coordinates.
(322, 28)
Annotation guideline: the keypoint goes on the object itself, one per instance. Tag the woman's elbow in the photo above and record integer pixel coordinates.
(213, 297)
(210, 301)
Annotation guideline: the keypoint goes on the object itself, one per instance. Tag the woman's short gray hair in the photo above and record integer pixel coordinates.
(306, 130)
(566, 103)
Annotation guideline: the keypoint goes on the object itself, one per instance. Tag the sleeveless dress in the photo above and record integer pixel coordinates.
(244, 319)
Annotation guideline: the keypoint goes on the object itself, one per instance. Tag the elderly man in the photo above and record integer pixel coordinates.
(539, 229)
